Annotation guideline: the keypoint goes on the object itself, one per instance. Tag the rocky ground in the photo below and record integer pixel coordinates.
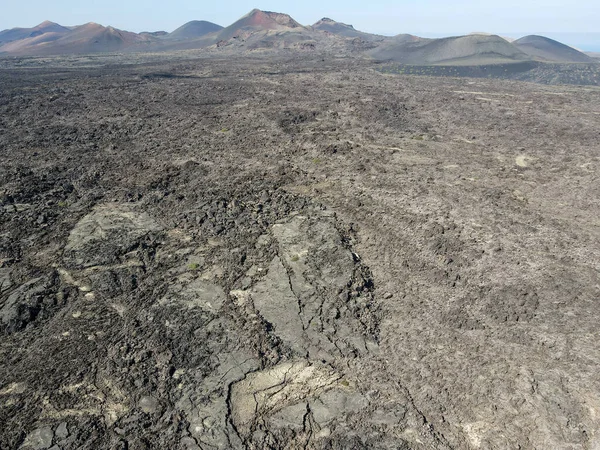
(296, 254)
(580, 74)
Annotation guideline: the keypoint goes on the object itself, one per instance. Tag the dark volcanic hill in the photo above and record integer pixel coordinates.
(194, 29)
(546, 49)
(16, 34)
(472, 49)
(341, 29)
(257, 21)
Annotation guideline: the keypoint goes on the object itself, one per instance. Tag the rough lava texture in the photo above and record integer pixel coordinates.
(296, 254)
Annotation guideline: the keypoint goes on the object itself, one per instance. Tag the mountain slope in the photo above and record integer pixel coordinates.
(328, 25)
(194, 29)
(259, 21)
(31, 45)
(16, 34)
(88, 38)
(472, 49)
(546, 49)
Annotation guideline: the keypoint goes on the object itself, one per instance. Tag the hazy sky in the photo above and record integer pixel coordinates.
(376, 16)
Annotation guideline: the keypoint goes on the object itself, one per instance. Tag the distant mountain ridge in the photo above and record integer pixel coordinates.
(272, 31)
(88, 38)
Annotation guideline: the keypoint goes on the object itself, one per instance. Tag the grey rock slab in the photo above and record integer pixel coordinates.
(337, 403)
(62, 432)
(300, 295)
(5, 280)
(274, 300)
(20, 306)
(269, 391)
(204, 401)
(208, 423)
(149, 404)
(290, 417)
(9, 312)
(233, 366)
(189, 443)
(389, 415)
(39, 439)
(109, 230)
(195, 294)
(313, 249)
(263, 240)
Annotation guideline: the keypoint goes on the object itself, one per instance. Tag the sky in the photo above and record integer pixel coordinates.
(388, 17)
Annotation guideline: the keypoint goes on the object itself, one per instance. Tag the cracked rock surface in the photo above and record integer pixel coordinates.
(296, 254)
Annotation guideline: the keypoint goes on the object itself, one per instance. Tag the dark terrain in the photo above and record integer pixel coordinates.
(580, 74)
(296, 253)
